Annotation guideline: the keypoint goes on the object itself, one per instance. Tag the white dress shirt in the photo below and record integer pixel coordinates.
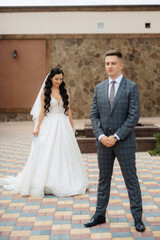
(117, 83)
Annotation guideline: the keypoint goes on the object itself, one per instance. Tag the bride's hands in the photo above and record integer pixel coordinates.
(74, 131)
(36, 132)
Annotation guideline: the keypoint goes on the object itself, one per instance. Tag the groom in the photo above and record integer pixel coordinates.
(114, 114)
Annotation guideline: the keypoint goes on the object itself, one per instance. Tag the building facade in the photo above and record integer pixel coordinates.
(35, 39)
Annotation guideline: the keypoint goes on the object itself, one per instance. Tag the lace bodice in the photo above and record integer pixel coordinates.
(56, 106)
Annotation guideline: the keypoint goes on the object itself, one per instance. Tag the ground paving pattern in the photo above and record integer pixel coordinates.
(56, 218)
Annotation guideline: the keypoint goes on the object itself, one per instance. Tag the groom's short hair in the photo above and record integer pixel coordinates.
(114, 53)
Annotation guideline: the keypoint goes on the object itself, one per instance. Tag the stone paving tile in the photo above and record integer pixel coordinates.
(52, 218)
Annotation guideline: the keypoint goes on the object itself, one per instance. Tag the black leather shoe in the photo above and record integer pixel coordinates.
(96, 219)
(139, 225)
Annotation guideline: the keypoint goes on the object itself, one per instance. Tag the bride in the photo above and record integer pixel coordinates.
(55, 164)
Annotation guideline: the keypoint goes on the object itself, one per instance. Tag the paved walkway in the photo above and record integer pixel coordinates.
(62, 218)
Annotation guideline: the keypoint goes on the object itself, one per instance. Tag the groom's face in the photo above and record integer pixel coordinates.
(113, 66)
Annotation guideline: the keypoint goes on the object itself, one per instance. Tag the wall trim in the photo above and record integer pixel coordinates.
(15, 110)
(75, 36)
(81, 8)
(48, 55)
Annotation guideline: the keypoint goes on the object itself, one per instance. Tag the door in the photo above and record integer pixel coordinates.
(22, 72)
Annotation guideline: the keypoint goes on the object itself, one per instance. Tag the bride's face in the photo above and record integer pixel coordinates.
(57, 80)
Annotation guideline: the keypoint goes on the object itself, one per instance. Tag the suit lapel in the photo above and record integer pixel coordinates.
(119, 92)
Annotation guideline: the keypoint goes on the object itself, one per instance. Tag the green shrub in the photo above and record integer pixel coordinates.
(156, 150)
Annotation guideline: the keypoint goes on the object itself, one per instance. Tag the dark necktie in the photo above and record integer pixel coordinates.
(112, 93)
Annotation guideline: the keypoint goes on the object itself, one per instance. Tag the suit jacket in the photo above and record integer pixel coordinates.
(123, 116)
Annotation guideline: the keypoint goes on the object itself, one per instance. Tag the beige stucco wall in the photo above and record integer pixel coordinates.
(78, 22)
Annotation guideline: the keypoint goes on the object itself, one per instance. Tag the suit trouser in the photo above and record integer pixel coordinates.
(126, 158)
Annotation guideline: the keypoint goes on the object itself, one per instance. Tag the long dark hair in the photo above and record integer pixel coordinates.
(47, 90)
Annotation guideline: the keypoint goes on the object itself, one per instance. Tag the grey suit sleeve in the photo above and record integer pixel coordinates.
(133, 114)
(95, 117)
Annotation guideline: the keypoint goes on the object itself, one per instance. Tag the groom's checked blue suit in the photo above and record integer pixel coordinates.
(120, 120)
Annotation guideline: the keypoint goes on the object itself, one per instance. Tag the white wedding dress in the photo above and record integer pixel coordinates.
(55, 164)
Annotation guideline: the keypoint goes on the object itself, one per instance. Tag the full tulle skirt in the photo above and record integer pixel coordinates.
(54, 166)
